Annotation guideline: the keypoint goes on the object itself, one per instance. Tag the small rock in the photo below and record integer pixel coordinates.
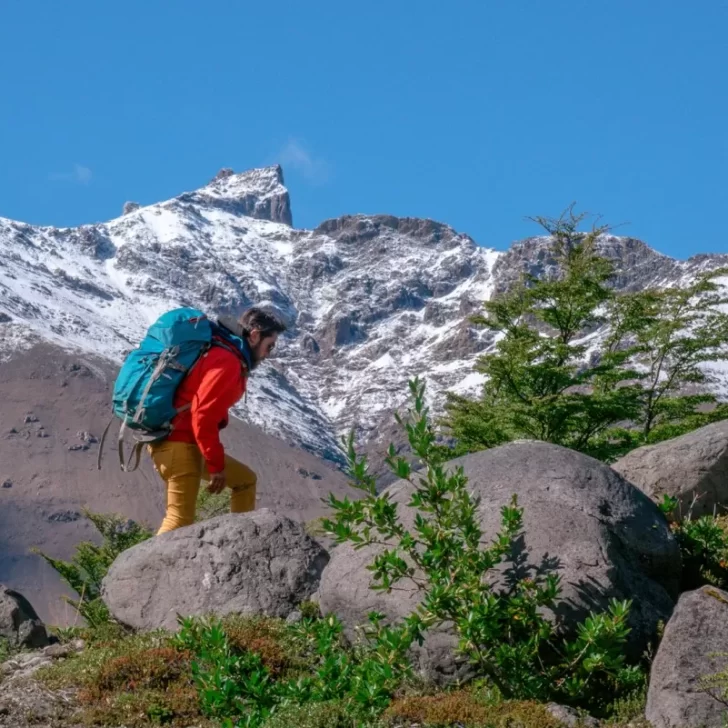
(19, 622)
(294, 617)
(42, 434)
(76, 448)
(28, 702)
(79, 645)
(31, 661)
(64, 517)
(7, 483)
(30, 418)
(224, 173)
(59, 650)
(570, 717)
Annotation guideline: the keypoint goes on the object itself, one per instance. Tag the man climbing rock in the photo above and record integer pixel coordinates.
(193, 452)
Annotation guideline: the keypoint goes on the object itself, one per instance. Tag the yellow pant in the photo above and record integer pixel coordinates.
(182, 467)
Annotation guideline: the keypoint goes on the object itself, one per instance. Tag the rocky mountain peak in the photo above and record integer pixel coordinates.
(636, 265)
(361, 228)
(258, 193)
(130, 207)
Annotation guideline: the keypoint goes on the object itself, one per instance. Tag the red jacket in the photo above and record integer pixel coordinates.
(214, 385)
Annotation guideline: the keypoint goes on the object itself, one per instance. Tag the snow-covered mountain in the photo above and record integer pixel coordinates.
(370, 300)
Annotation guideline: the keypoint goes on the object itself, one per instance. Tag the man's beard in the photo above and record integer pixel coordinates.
(254, 357)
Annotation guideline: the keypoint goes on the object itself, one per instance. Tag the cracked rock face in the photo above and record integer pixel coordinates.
(692, 468)
(692, 649)
(371, 300)
(252, 563)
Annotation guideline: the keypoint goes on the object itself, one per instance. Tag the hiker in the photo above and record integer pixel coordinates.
(192, 452)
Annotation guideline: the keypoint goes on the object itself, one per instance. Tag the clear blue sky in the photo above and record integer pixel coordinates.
(476, 113)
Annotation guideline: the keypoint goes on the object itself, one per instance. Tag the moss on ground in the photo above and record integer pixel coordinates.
(467, 708)
(130, 680)
(332, 714)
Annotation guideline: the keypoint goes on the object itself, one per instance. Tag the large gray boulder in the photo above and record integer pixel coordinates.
(605, 538)
(19, 623)
(692, 465)
(252, 563)
(694, 647)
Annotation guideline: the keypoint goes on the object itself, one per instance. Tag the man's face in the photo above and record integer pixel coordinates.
(261, 347)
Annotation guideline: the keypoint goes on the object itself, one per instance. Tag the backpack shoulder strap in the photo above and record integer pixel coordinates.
(101, 444)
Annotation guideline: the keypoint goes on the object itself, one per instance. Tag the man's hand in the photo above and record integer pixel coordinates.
(217, 483)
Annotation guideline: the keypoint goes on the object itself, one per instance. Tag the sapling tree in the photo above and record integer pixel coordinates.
(675, 334)
(542, 381)
(501, 630)
(582, 365)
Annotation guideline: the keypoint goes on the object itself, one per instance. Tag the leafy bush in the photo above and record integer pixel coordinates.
(502, 630)
(90, 564)
(310, 610)
(237, 681)
(703, 545)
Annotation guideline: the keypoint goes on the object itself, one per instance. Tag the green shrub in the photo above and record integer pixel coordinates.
(210, 505)
(543, 379)
(502, 631)
(239, 685)
(703, 545)
(630, 709)
(90, 564)
(310, 610)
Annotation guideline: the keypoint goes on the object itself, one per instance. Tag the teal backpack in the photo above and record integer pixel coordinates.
(144, 390)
